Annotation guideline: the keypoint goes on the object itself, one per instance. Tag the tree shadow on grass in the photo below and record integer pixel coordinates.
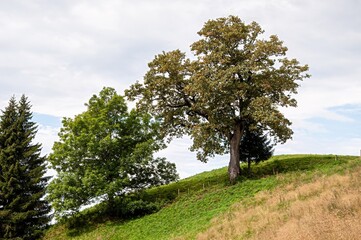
(294, 163)
(125, 208)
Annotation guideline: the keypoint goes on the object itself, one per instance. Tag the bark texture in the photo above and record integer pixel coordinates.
(233, 167)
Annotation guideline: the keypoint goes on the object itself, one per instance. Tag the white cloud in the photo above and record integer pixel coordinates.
(303, 144)
(46, 135)
(186, 161)
(59, 53)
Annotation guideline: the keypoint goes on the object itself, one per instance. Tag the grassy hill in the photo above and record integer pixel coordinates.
(286, 196)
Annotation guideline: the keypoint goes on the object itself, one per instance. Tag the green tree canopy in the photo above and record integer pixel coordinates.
(24, 214)
(236, 77)
(104, 152)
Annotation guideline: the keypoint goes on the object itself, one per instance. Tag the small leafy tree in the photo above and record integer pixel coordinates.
(236, 77)
(105, 152)
(255, 147)
(24, 214)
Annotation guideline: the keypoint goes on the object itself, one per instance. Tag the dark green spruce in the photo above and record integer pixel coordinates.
(24, 214)
(254, 147)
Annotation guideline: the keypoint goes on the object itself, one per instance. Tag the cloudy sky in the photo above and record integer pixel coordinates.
(60, 53)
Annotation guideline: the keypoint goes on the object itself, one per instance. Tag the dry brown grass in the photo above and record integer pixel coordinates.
(327, 208)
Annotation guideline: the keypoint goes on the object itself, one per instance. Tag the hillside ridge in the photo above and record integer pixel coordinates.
(196, 207)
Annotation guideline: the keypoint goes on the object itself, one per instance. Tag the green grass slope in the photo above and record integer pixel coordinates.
(195, 201)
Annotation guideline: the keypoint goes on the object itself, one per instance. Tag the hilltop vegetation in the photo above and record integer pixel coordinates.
(203, 206)
(235, 81)
(234, 85)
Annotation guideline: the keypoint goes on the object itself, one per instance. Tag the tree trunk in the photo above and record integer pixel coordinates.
(249, 166)
(233, 167)
(111, 206)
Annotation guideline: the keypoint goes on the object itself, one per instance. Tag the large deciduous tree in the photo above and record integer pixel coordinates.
(235, 77)
(105, 152)
(23, 210)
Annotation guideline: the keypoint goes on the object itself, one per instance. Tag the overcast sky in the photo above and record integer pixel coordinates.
(60, 53)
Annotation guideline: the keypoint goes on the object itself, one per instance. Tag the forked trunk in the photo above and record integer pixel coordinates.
(233, 167)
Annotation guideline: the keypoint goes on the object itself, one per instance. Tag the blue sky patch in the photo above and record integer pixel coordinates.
(336, 128)
(47, 120)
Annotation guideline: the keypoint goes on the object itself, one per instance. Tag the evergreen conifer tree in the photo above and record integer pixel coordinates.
(255, 147)
(23, 211)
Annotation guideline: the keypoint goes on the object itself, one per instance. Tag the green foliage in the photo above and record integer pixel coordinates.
(105, 152)
(23, 212)
(200, 198)
(255, 147)
(236, 77)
